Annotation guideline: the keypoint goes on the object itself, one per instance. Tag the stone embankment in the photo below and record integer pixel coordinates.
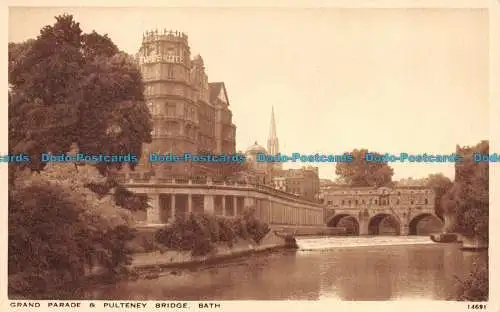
(155, 261)
(277, 238)
(473, 243)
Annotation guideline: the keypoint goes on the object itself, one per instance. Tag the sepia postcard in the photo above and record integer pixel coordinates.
(330, 156)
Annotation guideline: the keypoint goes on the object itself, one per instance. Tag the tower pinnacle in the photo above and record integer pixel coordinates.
(272, 142)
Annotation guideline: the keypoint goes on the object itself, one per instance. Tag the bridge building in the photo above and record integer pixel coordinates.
(366, 208)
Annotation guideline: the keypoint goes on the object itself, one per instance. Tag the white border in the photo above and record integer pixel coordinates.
(321, 305)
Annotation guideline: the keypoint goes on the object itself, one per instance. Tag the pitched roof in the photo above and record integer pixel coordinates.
(215, 89)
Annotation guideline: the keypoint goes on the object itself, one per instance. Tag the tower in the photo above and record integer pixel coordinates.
(272, 142)
(190, 115)
(164, 60)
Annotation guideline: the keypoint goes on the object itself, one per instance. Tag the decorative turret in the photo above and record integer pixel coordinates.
(150, 36)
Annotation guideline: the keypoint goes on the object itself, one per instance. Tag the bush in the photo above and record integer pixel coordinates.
(475, 287)
(200, 233)
(255, 228)
(144, 241)
(58, 230)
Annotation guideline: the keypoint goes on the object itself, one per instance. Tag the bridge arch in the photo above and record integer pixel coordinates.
(416, 220)
(384, 218)
(346, 220)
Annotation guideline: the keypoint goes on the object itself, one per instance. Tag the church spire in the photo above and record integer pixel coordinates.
(272, 129)
(272, 142)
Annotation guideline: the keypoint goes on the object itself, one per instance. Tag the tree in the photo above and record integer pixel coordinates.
(58, 228)
(70, 90)
(360, 172)
(440, 184)
(75, 88)
(96, 45)
(475, 286)
(468, 198)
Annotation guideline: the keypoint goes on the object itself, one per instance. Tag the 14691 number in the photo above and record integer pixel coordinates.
(476, 306)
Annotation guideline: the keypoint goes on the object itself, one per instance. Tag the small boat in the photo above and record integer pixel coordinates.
(444, 238)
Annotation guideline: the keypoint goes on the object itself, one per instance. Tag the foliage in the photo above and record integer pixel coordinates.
(468, 198)
(70, 91)
(440, 184)
(144, 241)
(200, 233)
(78, 88)
(475, 287)
(360, 172)
(121, 195)
(58, 229)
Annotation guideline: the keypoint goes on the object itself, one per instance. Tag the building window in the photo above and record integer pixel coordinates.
(376, 201)
(411, 202)
(343, 202)
(171, 109)
(397, 202)
(356, 201)
(170, 71)
(426, 201)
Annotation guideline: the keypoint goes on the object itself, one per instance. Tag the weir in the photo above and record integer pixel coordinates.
(323, 243)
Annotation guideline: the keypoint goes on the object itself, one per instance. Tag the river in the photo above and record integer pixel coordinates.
(343, 268)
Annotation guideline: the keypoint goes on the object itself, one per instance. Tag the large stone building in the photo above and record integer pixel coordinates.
(303, 182)
(190, 115)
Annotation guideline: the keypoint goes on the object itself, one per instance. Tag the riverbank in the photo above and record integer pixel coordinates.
(473, 243)
(157, 260)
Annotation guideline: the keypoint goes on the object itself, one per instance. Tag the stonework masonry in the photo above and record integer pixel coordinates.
(367, 207)
(190, 115)
(170, 200)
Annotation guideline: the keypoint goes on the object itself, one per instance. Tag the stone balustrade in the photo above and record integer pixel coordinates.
(171, 197)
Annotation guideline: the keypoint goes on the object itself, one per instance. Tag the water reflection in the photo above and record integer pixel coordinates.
(418, 271)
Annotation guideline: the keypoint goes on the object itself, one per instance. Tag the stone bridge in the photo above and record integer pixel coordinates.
(171, 197)
(365, 209)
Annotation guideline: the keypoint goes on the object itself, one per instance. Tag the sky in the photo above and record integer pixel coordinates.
(388, 80)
